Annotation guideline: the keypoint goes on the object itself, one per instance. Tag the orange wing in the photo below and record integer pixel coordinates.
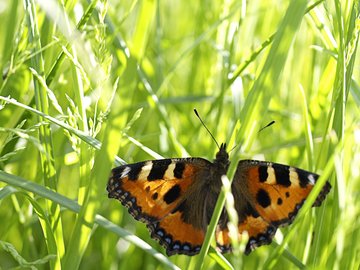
(177, 236)
(155, 192)
(151, 189)
(277, 191)
(260, 232)
(267, 195)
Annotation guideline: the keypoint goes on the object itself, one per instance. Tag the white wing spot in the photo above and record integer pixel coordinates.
(169, 173)
(145, 170)
(311, 179)
(125, 172)
(271, 179)
(294, 176)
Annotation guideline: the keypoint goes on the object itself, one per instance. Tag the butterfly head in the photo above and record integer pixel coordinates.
(222, 158)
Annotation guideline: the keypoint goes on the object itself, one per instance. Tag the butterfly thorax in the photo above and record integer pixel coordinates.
(212, 176)
(221, 162)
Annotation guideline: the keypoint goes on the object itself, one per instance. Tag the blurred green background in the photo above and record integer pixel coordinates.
(83, 81)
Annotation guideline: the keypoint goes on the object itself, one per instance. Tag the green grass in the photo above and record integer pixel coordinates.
(122, 88)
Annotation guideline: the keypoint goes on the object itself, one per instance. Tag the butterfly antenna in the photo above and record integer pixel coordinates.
(233, 148)
(197, 114)
(268, 125)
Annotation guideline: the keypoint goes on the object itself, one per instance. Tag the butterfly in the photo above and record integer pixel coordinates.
(176, 197)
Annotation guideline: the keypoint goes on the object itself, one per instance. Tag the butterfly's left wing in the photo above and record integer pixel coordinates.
(155, 192)
(268, 195)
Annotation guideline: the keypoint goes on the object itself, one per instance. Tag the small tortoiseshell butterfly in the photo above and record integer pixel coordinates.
(176, 197)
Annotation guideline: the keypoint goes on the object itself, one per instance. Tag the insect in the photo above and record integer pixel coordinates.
(176, 197)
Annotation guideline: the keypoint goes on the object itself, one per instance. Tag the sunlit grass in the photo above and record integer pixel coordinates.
(88, 82)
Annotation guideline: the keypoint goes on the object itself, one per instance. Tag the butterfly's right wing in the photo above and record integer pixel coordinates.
(276, 191)
(268, 195)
